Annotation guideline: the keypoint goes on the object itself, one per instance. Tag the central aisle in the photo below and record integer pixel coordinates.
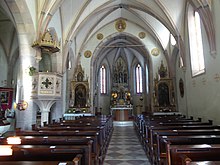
(125, 148)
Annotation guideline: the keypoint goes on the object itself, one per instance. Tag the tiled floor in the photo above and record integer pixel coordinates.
(125, 148)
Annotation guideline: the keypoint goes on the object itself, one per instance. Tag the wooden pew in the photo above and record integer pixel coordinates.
(73, 136)
(142, 121)
(187, 161)
(161, 150)
(49, 153)
(200, 152)
(171, 120)
(103, 121)
(99, 143)
(103, 141)
(62, 140)
(104, 136)
(151, 129)
(156, 134)
(163, 125)
(175, 126)
(163, 122)
(104, 124)
(191, 131)
(72, 132)
(40, 163)
(203, 162)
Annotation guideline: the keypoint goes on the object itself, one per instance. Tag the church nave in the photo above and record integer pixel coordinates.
(110, 82)
(125, 148)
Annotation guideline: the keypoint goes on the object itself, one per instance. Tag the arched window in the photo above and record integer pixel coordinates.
(147, 80)
(139, 79)
(103, 79)
(196, 45)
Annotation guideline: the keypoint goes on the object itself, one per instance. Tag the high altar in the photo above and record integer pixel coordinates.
(121, 107)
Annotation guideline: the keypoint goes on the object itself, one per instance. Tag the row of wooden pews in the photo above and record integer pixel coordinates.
(83, 141)
(176, 140)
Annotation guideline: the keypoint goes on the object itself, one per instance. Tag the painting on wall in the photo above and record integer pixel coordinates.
(6, 95)
(181, 87)
(80, 96)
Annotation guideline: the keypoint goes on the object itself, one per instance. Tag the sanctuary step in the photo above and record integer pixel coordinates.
(123, 123)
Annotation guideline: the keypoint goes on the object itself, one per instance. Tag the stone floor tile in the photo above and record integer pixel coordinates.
(125, 148)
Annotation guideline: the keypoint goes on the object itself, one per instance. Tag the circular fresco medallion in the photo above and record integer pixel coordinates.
(88, 54)
(181, 87)
(99, 36)
(142, 35)
(120, 25)
(155, 51)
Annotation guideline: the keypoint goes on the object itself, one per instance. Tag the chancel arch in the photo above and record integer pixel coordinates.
(122, 57)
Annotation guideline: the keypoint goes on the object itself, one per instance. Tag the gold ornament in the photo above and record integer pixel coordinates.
(142, 35)
(120, 25)
(99, 36)
(155, 51)
(88, 54)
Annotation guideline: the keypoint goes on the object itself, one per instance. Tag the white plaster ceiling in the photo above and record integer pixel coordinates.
(8, 38)
(81, 20)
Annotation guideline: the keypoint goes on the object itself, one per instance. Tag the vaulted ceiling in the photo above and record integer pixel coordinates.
(158, 18)
(81, 20)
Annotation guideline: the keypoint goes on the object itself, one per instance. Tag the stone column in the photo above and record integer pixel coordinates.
(26, 34)
(25, 118)
(44, 116)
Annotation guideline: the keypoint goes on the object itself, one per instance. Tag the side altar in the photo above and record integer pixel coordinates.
(79, 99)
(74, 113)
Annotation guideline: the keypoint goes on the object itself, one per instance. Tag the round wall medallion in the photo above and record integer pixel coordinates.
(142, 35)
(99, 36)
(120, 25)
(155, 51)
(181, 87)
(88, 54)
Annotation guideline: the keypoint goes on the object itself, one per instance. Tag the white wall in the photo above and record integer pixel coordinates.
(202, 94)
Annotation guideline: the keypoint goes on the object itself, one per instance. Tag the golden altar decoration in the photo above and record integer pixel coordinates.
(163, 96)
